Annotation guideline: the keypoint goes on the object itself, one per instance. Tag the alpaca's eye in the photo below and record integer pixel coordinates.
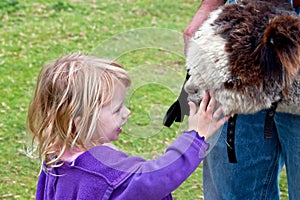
(229, 84)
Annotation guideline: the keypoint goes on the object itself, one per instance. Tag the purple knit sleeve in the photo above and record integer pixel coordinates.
(156, 179)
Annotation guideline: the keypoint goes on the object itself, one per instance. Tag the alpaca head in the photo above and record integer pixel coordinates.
(248, 54)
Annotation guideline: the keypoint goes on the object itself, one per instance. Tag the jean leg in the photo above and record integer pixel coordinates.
(255, 175)
(288, 127)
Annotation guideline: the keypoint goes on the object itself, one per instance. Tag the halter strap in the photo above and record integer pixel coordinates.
(269, 121)
(230, 139)
(268, 129)
(296, 3)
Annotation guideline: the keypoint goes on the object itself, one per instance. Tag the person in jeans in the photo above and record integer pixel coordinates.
(255, 175)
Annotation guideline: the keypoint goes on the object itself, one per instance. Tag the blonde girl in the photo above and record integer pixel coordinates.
(77, 109)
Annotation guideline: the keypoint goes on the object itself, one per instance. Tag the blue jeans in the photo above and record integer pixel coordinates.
(259, 161)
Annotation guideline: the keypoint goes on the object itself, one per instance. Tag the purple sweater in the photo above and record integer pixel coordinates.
(105, 173)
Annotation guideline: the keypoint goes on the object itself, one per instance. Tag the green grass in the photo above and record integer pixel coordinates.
(33, 32)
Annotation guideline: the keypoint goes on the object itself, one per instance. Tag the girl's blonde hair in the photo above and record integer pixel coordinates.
(73, 86)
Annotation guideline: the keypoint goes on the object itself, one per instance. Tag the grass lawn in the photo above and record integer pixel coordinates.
(144, 35)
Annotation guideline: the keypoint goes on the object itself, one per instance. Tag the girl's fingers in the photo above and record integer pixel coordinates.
(217, 113)
(193, 108)
(211, 105)
(204, 102)
(223, 120)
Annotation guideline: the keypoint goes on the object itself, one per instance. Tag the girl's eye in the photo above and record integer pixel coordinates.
(118, 110)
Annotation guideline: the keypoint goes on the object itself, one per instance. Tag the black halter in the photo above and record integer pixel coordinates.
(268, 128)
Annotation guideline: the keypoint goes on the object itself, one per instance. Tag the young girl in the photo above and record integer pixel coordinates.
(78, 109)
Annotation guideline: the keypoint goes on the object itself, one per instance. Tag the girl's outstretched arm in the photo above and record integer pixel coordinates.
(156, 179)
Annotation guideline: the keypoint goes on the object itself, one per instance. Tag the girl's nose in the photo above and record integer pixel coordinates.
(126, 112)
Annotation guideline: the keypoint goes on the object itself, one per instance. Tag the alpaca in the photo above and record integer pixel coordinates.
(248, 56)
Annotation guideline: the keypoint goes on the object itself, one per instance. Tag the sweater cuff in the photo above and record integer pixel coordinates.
(199, 140)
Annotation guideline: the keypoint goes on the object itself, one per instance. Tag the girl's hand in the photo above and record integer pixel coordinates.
(206, 121)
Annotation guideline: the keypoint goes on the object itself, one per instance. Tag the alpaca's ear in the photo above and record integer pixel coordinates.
(281, 47)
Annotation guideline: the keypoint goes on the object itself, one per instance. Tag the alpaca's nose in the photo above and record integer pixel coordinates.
(191, 88)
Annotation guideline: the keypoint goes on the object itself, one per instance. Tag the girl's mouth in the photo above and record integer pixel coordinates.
(119, 130)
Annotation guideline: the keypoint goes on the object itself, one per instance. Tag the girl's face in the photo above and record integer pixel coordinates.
(113, 116)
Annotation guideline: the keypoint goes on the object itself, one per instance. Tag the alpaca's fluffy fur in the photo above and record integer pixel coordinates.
(248, 56)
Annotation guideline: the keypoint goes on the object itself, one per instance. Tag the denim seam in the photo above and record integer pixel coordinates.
(270, 174)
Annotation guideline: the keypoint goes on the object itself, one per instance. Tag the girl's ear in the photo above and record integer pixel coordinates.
(77, 122)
